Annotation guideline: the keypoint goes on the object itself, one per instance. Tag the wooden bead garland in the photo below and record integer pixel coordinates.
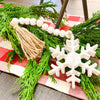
(30, 44)
(42, 23)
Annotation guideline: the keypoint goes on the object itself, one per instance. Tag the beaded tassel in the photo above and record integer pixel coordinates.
(31, 45)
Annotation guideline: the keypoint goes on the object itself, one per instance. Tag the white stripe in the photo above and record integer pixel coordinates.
(3, 66)
(60, 85)
(17, 70)
(14, 69)
(69, 15)
(72, 23)
(6, 44)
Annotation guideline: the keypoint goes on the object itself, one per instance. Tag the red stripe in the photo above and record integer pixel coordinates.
(3, 51)
(65, 28)
(3, 66)
(77, 92)
(1, 6)
(43, 79)
(74, 18)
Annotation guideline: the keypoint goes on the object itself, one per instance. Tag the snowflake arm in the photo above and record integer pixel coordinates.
(73, 79)
(90, 51)
(56, 53)
(90, 69)
(56, 69)
(72, 45)
(73, 73)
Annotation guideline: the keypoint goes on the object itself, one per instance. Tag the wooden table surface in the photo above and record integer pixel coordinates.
(41, 92)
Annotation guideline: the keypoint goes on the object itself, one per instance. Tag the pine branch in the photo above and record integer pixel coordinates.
(89, 31)
(76, 28)
(32, 11)
(31, 76)
(90, 85)
(10, 57)
(89, 88)
(50, 39)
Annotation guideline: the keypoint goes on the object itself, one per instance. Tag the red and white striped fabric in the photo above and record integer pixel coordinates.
(18, 67)
(1, 6)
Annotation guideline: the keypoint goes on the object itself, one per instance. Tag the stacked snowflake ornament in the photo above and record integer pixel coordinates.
(73, 60)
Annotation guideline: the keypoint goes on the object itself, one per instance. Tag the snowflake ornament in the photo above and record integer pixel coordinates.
(73, 60)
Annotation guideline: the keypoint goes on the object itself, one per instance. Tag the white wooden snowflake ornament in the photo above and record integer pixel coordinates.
(73, 60)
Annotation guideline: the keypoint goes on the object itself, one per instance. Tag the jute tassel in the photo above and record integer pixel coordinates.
(31, 45)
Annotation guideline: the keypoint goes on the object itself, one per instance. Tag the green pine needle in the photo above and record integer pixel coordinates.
(89, 31)
(31, 76)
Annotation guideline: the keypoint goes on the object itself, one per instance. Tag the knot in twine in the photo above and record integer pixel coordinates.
(30, 44)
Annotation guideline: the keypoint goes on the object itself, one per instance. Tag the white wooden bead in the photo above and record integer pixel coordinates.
(62, 33)
(21, 20)
(45, 27)
(39, 23)
(33, 21)
(50, 30)
(27, 21)
(15, 20)
(67, 33)
(41, 18)
(56, 32)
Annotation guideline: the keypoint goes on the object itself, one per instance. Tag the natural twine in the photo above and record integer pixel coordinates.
(30, 44)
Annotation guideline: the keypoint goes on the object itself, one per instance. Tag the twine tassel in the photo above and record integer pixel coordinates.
(31, 45)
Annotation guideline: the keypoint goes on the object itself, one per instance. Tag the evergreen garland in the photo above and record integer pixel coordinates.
(89, 31)
(31, 76)
(91, 86)
(34, 70)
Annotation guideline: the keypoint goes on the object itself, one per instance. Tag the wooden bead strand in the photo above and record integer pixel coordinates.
(31, 45)
(42, 24)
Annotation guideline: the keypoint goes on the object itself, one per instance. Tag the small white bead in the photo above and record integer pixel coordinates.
(41, 18)
(50, 30)
(56, 32)
(62, 33)
(15, 20)
(33, 21)
(68, 33)
(39, 23)
(21, 20)
(27, 21)
(45, 27)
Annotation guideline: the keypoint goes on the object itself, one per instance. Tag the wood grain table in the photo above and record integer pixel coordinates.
(41, 92)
